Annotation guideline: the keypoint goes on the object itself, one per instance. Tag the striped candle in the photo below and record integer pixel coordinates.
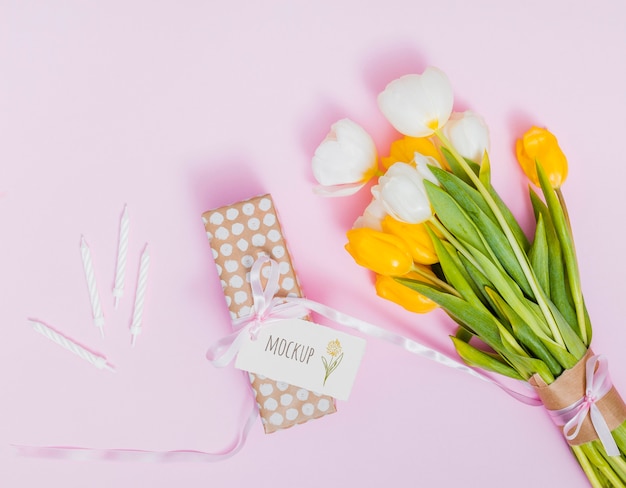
(98, 361)
(120, 271)
(140, 295)
(98, 316)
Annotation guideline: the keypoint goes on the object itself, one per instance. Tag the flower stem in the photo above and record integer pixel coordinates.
(587, 467)
(595, 457)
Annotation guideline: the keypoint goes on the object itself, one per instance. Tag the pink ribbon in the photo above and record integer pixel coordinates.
(91, 454)
(598, 383)
(266, 308)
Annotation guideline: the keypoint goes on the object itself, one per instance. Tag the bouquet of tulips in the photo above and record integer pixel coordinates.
(437, 233)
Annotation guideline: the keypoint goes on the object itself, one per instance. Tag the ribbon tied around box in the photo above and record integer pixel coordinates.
(266, 308)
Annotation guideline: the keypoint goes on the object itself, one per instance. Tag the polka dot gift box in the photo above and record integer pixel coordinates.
(238, 234)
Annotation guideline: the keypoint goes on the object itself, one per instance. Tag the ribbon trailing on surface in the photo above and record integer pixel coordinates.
(183, 455)
(268, 308)
(597, 385)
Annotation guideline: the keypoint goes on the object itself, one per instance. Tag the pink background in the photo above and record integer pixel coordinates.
(178, 107)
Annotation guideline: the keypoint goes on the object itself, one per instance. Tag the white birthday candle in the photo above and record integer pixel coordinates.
(140, 295)
(120, 271)
(98, 361)
(98, 317)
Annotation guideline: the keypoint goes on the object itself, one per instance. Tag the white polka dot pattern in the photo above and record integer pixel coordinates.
(238, 234)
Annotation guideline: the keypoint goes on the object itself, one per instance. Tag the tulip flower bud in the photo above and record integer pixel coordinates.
(415, 237)
(539, 146)
(469, 135)
(345, 161)
(417, 105)
(382, 253)
(389, 289)
(401, 190)
(403, 150)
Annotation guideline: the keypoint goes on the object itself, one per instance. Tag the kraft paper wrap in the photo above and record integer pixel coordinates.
(569, 388)
(238, 233)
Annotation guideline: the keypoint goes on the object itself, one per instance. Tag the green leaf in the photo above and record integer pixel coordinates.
(538, 206)
(511, 293)
(463, 334)
(477, 358)
(588, 324)
(460, 264)
(532, 365)
(510, 343)
(560, 353)
(485, 170)
(453, 217)
(526, 336)
(452, 269)
(479, 279)
(563, 233)
(559, 287)
(501, 281)
(538, 256)
(462, 191)
(457, 169)
(572, 340)
(510, 219)
(478, 320)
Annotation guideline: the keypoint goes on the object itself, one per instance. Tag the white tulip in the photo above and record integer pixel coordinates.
(417, 105)
(469, 134)
(401, 191)
(345, 160)
(422, 164)
(372, 216)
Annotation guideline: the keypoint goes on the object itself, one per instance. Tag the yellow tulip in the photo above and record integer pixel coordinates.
(403, 150)
(540, 145)
(415, 237)
(389, 289)
(382, 253)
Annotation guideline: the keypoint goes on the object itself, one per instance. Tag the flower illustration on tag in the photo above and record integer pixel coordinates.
(336, 355)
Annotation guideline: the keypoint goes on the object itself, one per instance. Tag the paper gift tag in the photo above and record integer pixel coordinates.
(305, 354)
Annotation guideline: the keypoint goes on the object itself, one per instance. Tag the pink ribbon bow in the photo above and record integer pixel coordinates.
(266, 308)
(598, 383)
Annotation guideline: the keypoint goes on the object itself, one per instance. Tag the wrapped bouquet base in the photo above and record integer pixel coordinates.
(586, 387)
